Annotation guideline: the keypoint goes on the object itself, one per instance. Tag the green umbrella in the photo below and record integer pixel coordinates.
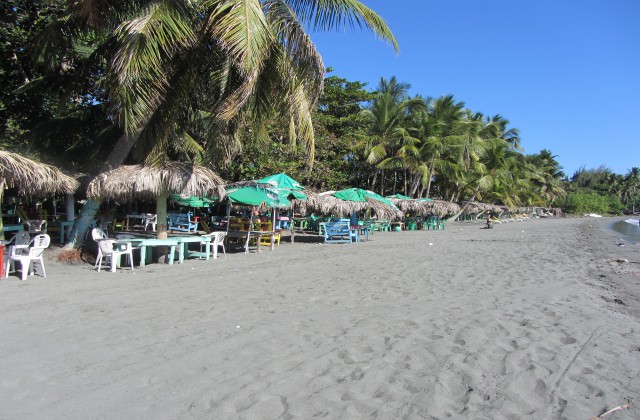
(258, 196)
(192, 200)
(360, 195)
(281, 181)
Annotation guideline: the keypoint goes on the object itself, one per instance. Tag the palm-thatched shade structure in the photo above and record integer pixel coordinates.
(475, 207)
(31, 178)
(326, 203)
(128, 182)
(423, 207)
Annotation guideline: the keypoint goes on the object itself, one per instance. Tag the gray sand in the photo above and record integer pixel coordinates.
(531, 319)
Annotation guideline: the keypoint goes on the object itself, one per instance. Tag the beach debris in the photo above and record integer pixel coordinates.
(430, 243)
(613, 410)
(622, 260)
(237, 326)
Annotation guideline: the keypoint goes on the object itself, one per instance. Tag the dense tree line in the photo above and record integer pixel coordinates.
(92, 85)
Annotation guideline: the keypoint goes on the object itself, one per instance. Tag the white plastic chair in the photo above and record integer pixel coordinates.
(34, 254)
(217, 240)
(108, 249)
(98, 234)
(15, 245)
(36, 226)
(151, 220)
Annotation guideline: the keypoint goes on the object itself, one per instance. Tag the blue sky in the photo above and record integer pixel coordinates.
(566, 73)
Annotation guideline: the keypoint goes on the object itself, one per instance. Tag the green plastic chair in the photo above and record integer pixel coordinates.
(411, 224)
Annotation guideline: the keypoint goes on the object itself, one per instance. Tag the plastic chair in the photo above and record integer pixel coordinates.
(36, 226)
(16, 244)
(98, 234)
(217, 240)
(27, 260)
(151, 220)
(112, 251)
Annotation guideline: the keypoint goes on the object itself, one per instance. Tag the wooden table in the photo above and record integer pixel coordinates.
(254, 234)
(63, 225)
(144, 243)
(142, 217)
(183, 248)
(12, 228)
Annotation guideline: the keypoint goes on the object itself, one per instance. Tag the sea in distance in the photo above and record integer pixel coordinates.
(629, 229)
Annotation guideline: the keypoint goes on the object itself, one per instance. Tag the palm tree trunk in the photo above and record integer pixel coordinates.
(473, 197)
(415, 183)
(405, 182)
(382, 182)
(375, 178)
(91, 206)
(430, 178)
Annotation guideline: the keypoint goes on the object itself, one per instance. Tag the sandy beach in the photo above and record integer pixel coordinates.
(532, 319)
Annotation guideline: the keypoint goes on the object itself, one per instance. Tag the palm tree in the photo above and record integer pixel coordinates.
(630, 191)
(235, 62)
(435, 128)
(549, 175)
(388, 117)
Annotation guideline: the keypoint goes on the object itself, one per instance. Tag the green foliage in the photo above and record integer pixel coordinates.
(590, 202)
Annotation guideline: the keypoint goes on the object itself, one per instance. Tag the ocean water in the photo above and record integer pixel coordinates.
(629, 229)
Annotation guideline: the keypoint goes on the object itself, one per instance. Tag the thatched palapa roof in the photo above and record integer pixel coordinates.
(33, 177)
(325, 203)
(140, 181)
(423, 208)
(475, 207)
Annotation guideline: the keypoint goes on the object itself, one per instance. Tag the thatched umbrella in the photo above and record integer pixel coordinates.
(139, 181)
(31, 178)
(327, 203)
(426, 207)
(474, 207)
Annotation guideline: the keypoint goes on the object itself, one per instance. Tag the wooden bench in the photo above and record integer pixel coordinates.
(182, 222)
(339, 232)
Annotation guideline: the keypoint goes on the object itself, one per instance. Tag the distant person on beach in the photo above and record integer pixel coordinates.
(488, 222)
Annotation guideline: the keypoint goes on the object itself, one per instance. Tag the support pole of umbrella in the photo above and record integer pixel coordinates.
(291, 228)
(246, 247)
(274, 214)
(228, 215)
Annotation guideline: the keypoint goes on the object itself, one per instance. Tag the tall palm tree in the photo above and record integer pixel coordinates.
(630, 191)
(237, 61)
(435, 128)
(388, 117)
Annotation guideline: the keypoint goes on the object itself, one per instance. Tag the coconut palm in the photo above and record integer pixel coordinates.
(388, 118)
(434, 126)
(630, 191)
(228, 64)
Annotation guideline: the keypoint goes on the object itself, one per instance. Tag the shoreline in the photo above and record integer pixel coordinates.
(520, 321)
